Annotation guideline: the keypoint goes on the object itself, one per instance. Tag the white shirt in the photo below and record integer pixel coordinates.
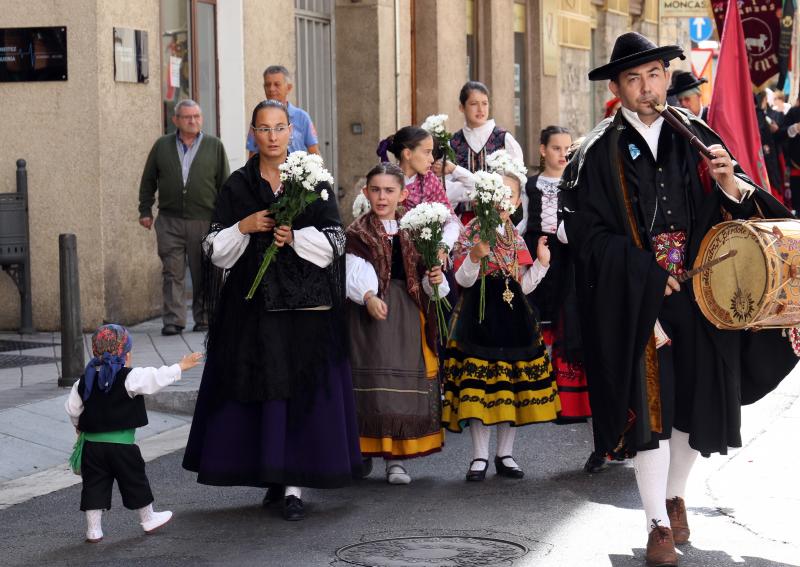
(139, 382)
(362, 278)
(229, 244)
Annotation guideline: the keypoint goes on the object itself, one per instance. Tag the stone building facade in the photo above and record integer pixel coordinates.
(362, 68)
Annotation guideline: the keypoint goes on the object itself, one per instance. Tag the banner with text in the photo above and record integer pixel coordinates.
(684, 8)
(762, 28)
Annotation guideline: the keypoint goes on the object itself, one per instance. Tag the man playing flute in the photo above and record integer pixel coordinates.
(664, 384)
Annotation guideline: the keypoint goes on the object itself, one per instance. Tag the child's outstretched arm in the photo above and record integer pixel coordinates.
(146, 381)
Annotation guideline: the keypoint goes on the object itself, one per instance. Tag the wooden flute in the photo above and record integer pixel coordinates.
(681, 128)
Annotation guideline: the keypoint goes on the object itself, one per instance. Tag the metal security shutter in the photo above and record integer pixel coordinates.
(315, 86)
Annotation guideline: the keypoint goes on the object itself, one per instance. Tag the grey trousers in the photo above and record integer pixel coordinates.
(178, 240)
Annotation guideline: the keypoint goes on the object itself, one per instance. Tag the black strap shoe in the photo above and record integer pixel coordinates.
(503, 470)
(477, 476)
(595, 463)
(293, 509)
(274, 494)
(170, 330)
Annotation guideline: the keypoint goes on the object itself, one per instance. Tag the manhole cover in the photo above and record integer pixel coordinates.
(443, 551)
(15, 360)
(8, 345)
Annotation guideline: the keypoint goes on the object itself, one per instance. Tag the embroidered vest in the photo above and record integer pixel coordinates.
(467, 158)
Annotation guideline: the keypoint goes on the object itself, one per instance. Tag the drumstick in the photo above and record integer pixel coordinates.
(705, 267)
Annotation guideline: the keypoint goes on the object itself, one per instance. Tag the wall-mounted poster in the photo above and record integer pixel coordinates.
(131, 64)
(33, 54)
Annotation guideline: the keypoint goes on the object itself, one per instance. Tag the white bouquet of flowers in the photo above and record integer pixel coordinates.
(435, 125)
(361, 205)
(301, 173)
(490, 196)
(425, 224)
(503, 163)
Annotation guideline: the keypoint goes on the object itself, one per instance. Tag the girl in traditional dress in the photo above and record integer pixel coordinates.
(497, 371)
(392, 331)
(479, 137)
(275, 407)
(554, 298)
(413, 148)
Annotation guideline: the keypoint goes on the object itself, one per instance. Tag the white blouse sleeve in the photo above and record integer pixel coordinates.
(444, 287)
(310, 244)
(227, 246)
(74, 405)
(522, 227)
(457, 184)
(451, 231)
(146, 381)
(533, 276)
(513, 148)
(361, 278)
(468, 273)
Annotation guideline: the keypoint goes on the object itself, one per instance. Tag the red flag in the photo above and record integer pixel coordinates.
(732, 112)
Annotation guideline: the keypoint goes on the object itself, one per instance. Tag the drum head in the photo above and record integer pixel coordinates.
(731, 293)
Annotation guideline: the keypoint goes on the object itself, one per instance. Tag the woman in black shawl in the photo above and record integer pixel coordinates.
(275, 407)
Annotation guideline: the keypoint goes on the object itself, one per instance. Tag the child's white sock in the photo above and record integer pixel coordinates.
(150, 519)
(480, 443)
(94, 528)
(293, 491)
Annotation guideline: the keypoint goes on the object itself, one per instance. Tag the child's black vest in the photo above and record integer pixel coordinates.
(111, 411)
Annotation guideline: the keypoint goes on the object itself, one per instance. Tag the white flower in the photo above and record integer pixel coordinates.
(435, 124)
(360, 205)
(501, 162)
(489, 188)
(324, 194)
(426, 233)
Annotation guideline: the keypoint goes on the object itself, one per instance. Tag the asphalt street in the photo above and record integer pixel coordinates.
(741, 510)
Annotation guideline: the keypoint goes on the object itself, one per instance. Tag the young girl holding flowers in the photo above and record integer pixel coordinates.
(497, 371)
(393, 331)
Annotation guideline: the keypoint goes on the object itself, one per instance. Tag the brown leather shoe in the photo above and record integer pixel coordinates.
(676, 509)
(660, 547)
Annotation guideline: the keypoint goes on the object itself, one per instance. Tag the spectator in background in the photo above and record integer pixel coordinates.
(768, 128)
(277, 86)
(779, 103)
(685, 87)
(789, 136)
(186, 168)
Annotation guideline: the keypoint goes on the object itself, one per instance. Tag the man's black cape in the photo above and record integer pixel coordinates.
(621, 289)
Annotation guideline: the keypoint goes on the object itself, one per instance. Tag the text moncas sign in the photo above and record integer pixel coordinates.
(684, 8)
(761, 24)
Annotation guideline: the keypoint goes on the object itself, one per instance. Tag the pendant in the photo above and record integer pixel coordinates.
(508, 296)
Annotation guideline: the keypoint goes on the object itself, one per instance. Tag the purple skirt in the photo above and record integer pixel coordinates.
(310, 443)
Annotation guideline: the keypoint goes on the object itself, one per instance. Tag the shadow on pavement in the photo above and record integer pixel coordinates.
(689, 555)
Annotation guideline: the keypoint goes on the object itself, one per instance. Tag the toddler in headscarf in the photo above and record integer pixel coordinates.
(106, 406)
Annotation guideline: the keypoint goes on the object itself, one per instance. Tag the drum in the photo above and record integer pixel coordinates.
(758, 287)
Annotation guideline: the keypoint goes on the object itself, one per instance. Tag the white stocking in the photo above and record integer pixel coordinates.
(480, 443)
(505, 443)
(651, 468)
(681, 460)
(293, 491)
(94, 524)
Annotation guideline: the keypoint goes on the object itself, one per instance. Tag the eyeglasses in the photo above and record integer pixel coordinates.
(280, 129)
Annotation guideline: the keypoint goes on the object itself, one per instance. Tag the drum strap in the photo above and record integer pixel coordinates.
(652, 382)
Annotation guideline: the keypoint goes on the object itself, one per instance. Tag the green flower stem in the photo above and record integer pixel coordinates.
(482, 305)
(269, 255)
(441, 322)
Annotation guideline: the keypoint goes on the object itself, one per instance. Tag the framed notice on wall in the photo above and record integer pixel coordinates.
(33, 54)
(131, 64)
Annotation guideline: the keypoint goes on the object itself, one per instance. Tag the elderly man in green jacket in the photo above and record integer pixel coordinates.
(187, 169)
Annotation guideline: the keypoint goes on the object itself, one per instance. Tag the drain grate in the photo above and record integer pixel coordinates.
(9, 345)
(16, 360)
(440, 551)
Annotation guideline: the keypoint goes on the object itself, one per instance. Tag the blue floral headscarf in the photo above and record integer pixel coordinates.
(110, 345)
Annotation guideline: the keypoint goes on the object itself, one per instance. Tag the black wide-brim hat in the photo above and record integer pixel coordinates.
(631, 50)
(683, 81)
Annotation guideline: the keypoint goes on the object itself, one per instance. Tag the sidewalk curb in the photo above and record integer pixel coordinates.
(179, 402)
(23, 489)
